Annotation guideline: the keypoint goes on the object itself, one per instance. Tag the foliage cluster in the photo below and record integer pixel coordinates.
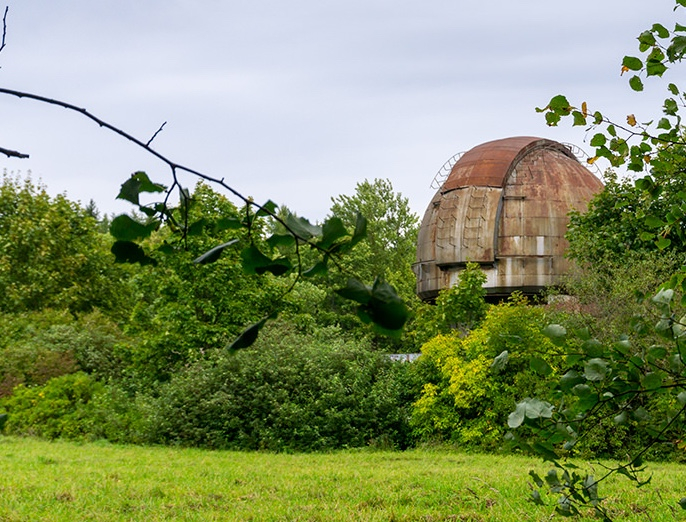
(152, 366)
(472, 381)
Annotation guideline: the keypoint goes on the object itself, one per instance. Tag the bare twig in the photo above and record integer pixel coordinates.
(156, 133)
(4, 28)
(12, 153)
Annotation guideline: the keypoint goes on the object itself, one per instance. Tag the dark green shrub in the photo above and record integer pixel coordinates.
(37, 346)
(290, 392)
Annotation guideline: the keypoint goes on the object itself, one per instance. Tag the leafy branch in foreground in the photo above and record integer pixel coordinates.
(634, 382)
(280, 254)
(640, 387)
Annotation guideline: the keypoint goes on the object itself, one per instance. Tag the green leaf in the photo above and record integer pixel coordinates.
(537, 480)
(281, 240)
(682, 398)
(197, 228)
(228, 223)
(555, 332)
(318, 268)
(641, 414)
(661, 30)
(579, 118)
(302, 227)
(647, 40)
(137, 183)
(130, 252)
(268, 209)
(552, 119)
(654, 222)
(536, 498)
(673, 89)
(255, 262)
(356, 291)
(125, 228)
(621, 419)
(332, 230)
(652, 380)
(570, 379)
(212, 255)
(632, 63)
(248, 336)
(360, 229)
(516, 418)
(663, 243)
(500, 362)
(540, 366)
(593, 348)
(664, 123)
(385, 308)
(670, 107)
(598, 140)
(635, 83)
(560, 103)
(596, 369)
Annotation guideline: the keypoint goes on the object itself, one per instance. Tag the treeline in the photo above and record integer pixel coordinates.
(129, 353)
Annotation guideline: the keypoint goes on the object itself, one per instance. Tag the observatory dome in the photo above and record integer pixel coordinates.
(504, 205)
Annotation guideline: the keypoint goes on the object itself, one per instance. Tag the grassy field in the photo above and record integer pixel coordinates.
(51, 481)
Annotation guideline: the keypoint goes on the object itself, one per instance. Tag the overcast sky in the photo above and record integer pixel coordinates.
(297, 101)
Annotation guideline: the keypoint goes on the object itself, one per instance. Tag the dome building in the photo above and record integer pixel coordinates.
(504, 205)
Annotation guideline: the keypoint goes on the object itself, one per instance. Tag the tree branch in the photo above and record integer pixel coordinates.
(4, 28)
(173, 166)
(12, 153)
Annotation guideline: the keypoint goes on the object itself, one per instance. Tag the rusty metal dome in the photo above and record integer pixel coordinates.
(503, 205)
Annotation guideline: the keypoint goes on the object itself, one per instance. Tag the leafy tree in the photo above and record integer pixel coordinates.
(389, 249)
(53, 255)
(461, 307)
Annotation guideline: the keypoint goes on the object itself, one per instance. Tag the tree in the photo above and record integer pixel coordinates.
(53, 255)
(389, 248)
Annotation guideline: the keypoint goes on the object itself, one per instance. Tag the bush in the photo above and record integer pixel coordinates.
(37, 346)
(290, 392)
(467, 398)
(60, 408)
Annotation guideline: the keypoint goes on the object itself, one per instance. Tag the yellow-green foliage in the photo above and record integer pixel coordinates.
(465, 400)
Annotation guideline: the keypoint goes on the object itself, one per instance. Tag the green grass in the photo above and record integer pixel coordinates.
(55, 481)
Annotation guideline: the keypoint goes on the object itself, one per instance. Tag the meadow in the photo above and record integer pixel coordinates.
(66, 481)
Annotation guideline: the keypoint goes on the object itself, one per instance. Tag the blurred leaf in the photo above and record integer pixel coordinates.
(540, 366)
(500, 362)
(302, 227)
(212, 255)
(332, 230)
(137, 183)
(255, 262)
(130, 252)
(268, 209)
(125, 228)
(248, 336)
(596, 369)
